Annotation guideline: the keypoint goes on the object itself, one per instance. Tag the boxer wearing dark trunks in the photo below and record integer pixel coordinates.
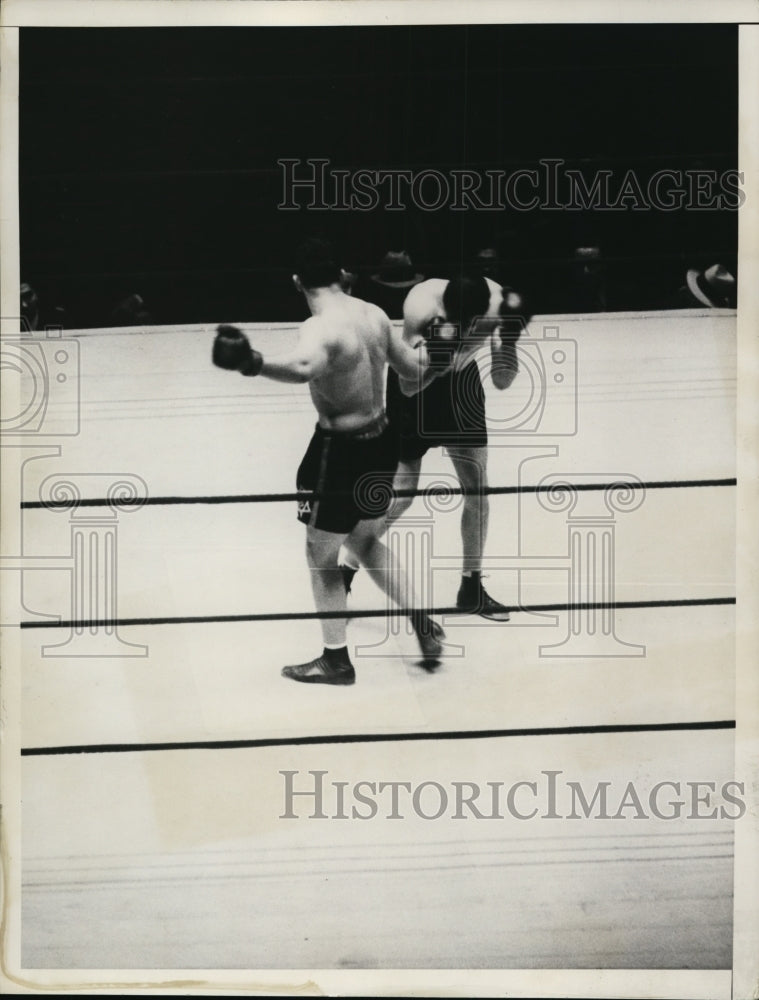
(346, 470)
(448, 408)
(351, 460)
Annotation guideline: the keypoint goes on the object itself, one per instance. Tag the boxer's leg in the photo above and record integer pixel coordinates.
(471, 465)
(390, 577)
(334, 665)
(472, 470)
(326, 581)
(406, 478)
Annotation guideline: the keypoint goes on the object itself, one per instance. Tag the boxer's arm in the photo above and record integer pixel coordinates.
(505, 363)
(415, 322)
(514, 316)
(307, 361)
(409, 362)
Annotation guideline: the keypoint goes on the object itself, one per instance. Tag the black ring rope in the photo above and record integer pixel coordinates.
(369, 613)
(476, 734)
(431, 491)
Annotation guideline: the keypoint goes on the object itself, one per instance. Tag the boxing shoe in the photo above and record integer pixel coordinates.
(430, 635)
(473, 599)
(321, 670)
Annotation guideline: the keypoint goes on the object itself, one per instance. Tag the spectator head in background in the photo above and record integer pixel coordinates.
(130, 311)
(502, 260)
(714, 287)
(397, 271)
(488, 263)
(30, 307)
(588, 262)
(390, 283)
(587, 280)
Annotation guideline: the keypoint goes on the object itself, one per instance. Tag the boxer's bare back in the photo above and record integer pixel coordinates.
(356, 337)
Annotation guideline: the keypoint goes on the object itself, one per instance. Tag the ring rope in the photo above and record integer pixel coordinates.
(433, 490)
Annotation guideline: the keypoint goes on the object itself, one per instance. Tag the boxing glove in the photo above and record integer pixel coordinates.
(514, 313)
(442, 341)
(231, 350)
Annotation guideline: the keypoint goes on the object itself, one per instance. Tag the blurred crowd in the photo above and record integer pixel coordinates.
(585, 287)
(585, 281)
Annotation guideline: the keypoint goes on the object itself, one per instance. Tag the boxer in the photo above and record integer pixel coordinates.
(444, 405)
(351, 461)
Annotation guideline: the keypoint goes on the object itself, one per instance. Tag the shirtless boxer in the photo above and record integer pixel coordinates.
(351, 460)
(454, 319)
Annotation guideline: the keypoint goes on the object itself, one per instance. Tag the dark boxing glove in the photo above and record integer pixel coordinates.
(231, 350)
(514, 313)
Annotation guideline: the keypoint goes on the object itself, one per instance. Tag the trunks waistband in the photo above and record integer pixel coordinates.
(376, 426)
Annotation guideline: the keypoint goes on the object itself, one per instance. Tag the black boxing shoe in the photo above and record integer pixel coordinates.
(321, 671)
(473, 599)
(430, 635)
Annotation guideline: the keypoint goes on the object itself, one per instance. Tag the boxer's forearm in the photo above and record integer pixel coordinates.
(425, 373)
(409, 364)
(412, 386)
(505, 363)
(408, 358)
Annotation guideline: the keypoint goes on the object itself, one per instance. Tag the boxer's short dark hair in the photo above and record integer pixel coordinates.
(316, 263)
(466, 296)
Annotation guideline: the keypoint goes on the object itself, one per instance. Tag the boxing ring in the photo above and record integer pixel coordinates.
(162, 584)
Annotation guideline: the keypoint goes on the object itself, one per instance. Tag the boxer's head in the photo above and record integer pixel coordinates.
(466, 297)
(316, 265)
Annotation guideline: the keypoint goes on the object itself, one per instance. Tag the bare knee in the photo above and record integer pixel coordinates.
(400, 504)
(404, 486)
(472, 473)
(321, 553)
(364, 546)
(474, 490)
(313, 556)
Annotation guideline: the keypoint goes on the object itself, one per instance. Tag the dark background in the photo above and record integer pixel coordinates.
(148, 156)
